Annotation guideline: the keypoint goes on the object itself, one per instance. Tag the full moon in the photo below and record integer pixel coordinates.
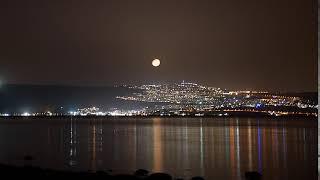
(156, 62)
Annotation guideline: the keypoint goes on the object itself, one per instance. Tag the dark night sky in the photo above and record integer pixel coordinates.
(247, 44)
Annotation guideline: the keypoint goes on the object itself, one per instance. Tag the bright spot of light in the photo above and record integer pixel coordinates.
(258, 105)
(49, 113)
(73, 113)
(26, 114)
(156, 62)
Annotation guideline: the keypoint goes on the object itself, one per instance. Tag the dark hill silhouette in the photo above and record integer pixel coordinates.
(19, 98)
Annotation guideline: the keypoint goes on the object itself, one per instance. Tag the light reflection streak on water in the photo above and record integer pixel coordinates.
(157, 146)
(238, 148)
(284, 147)
(250, 145)
(93, 160)
(259, 150)
(201, 147)
(186, 147)
(72, 143)
(232, 150)
(304, 143)
(276, 146)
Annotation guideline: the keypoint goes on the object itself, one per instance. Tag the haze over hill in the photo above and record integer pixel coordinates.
(22, 98)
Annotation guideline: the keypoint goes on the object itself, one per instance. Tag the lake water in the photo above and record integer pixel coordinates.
(215, 148)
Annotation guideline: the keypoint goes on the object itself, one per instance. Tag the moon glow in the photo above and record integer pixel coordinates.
(156, 62)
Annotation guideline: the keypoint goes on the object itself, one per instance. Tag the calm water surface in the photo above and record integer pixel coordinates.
(215, 148)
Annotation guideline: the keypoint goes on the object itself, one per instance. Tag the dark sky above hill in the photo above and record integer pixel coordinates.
(247, 44)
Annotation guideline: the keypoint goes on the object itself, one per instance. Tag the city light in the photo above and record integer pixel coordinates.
(192, 99)
(25, 114)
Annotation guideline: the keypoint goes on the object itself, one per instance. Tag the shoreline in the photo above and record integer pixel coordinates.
(166, 116)
(29, 171)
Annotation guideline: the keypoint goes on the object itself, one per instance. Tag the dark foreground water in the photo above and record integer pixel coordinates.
(214, 148)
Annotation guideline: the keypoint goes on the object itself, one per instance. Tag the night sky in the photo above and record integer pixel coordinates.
(238, 44)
